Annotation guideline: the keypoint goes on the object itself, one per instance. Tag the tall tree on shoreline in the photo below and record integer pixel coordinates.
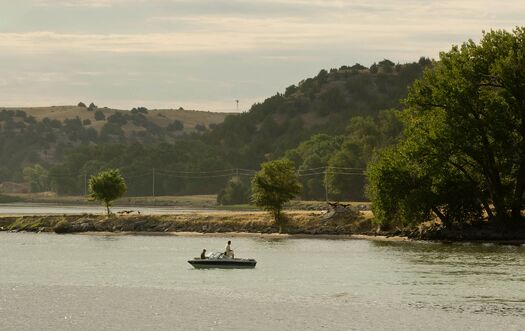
(274, 185)
(107, 186)
(465, 121)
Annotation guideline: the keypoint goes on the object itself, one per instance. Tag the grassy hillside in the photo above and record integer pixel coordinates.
(41, 135)
(341, 115)
(160, 117)
(323, 104)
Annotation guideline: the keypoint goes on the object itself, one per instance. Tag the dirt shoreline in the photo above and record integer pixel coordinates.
(299, 224)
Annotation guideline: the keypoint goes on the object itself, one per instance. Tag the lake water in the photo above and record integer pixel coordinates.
(87, 282)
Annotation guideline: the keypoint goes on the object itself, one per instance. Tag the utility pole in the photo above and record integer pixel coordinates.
(153, 188)
(325, 185)
(85, 185)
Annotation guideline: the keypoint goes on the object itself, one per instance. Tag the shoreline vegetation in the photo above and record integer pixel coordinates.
(346, 224)
(186, 201)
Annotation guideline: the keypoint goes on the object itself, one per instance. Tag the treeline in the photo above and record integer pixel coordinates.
(25, 141)
(184, 167)
(331, 123)
(323, 104)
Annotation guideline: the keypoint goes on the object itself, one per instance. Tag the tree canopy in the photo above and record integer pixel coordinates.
(274, 185)
(464, 146)
(107, 186)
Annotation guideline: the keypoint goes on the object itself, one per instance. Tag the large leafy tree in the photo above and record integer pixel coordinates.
(465, 133)
(274, 185)
(107, 186)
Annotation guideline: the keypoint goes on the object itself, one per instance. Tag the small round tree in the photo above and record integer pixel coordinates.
(107, 186)
(274, 185)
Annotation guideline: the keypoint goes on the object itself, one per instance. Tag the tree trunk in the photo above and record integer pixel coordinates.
(442, 217)
(277, 216)
(107, 208)
(517, 199)
(483, 201)
(491, 173)
(499, 206)
(486, 206)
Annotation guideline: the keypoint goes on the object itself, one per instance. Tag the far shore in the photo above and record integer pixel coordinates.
(188, 201)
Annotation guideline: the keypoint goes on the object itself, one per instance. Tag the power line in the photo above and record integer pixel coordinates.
(222, 173)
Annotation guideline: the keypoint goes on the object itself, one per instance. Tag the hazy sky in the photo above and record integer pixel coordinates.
(204, 54)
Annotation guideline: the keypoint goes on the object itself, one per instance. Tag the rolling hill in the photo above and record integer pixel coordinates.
(337, 118)
(190, 119)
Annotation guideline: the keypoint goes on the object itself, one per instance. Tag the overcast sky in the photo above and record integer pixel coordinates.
(204, 54)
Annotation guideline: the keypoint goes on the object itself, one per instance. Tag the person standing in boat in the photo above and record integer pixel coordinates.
(203, 254)
(229, 250)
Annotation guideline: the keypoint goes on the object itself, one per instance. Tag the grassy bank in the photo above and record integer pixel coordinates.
(9, 199)
(189, 201)
(256, 222)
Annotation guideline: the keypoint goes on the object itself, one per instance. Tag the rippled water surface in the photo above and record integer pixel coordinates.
(85, 282)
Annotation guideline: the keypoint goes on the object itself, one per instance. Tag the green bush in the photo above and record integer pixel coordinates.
(235, 193)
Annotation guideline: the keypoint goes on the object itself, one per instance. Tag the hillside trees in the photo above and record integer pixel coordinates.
(465, 135)
(171, 163)
(236, 192)
(37, 177)
(324, 104)
(310, 158)
(364, 136)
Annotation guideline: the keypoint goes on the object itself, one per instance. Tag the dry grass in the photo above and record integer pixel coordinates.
(304, 222)
(161, 117)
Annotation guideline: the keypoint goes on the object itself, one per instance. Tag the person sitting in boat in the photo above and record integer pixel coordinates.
(229, 250)
(203, 254)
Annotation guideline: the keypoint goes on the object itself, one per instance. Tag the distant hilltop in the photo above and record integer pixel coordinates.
(136, 121)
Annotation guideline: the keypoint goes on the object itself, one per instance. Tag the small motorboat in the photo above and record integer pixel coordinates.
(220, 260)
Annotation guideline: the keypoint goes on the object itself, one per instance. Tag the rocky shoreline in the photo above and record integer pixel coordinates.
(339, 221)
(312, 223)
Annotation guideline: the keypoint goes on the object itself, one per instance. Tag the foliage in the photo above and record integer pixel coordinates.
(236, 192)
(9, 198)
(200, 127)
(140, 110)
(324, 104)
(464, 145)
(107, 186)
(310, 157)
(274, 185)
(176, 126)
(363, 137)
(37, 177)
(171, 162)
(99, 115)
